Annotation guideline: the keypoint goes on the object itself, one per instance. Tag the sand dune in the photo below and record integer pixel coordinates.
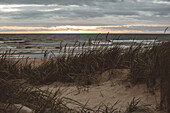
(113, 86)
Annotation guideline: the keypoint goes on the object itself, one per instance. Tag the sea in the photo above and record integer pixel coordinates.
(34, 45)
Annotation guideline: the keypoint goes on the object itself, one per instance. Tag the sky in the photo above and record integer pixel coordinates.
(84, 16)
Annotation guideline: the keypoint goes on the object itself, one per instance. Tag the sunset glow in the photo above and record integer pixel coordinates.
(79, 29)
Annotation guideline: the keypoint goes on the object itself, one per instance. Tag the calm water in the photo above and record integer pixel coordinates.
(32, 45)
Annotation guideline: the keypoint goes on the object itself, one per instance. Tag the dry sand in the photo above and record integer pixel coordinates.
(33, 61)
(113, 86)
(16, 108)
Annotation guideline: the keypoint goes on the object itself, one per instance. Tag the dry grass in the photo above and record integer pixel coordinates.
(147, 65)
(151, 65)
(18, 92)
(8, 68)
(70, 67)
(39, 101)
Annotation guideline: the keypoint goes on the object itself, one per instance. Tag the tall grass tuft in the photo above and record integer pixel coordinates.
(40, 101)
(150, 65)
(8, 68)
(135, 107)
(73, 66)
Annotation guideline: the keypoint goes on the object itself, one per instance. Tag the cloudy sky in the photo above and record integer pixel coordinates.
(84, 16)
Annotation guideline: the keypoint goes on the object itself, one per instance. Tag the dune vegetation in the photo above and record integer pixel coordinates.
(19, 81)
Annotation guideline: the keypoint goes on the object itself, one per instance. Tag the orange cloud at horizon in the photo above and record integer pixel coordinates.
(78, 29)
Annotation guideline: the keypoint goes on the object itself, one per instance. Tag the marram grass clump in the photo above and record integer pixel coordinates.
(71, 66)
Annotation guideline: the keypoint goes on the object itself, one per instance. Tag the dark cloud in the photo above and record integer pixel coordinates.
(149, 28)
(60, 2)
(86, 12)
(33, 12)
(138, 28)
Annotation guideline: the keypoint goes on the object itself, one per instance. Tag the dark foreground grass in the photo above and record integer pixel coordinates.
(151, 65)
(147, 65)
(40, 101)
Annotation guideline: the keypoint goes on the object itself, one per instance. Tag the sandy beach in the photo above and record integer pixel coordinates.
(113, 86)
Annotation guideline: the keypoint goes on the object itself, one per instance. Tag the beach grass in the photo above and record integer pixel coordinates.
(150, 66)
(17, 92)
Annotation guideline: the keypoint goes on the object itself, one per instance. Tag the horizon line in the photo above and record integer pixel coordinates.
(78, 33)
